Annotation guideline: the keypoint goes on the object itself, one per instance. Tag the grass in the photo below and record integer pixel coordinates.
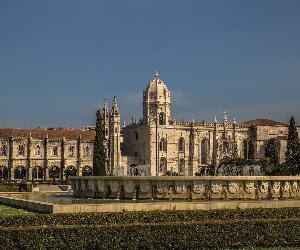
(10, 211)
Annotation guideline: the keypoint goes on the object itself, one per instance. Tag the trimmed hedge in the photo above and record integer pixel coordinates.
(175, 235)
(9, 187)
(158, 216)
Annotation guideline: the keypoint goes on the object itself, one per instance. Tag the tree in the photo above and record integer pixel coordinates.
(272, 165)
(271, 151)
(251, 146)
(251, 151)
(99, 157)
(292, 155)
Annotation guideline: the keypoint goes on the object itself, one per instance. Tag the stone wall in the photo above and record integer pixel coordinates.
(35, 158)
(176, 187)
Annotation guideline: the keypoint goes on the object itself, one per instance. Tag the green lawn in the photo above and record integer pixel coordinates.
(8, 211)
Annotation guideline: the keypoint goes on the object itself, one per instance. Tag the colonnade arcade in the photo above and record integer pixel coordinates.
(39, 173)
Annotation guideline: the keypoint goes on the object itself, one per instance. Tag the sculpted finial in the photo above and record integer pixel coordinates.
(156, 74)
(225, 117)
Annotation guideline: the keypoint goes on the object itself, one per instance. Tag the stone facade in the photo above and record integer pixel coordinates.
(155, 145)
(45, 154)
(161, 143)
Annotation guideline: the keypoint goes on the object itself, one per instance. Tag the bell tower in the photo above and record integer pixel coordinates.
(156, 102)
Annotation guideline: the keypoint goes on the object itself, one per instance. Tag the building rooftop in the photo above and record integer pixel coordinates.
(38, 133)
(264, 122)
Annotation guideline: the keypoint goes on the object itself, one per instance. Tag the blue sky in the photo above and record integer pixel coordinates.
(59, 59)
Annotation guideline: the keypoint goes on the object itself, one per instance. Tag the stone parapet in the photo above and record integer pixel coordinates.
(186, 187)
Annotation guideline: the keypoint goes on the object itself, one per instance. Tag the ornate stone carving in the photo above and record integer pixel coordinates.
(199, 188)
(233, 188)
(162, 187)
(216, 188)
(114, 185)
(276, 187)
(264, 187)
(180, 187)
(145, 186)
(287, 187)
(129, 186)
(250, 187)
(295, 187)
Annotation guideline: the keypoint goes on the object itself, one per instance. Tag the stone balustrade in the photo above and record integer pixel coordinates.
(187, 187)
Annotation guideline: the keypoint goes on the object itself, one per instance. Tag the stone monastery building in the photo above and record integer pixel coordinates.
(156, 144)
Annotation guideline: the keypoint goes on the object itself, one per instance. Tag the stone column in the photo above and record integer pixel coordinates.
(11, 173)
(79, 153)
(29, 168)
(10, 157)
(29, 173)
(46, 173)
(79, 171)
(46, 169)
(62, 165)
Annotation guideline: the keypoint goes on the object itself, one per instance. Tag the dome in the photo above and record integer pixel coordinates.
(157, 90)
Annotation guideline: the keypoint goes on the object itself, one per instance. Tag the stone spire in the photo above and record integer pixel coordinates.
(105, 103)
(193, 120)
(234, 121)
(105, 112)
(115, 108)
(225, 118)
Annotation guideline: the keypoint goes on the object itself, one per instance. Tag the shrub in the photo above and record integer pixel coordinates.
(146, 217)
(175, 235)
(9, 187)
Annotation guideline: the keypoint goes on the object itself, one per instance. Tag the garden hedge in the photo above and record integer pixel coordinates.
(146, 217)
(170, 235)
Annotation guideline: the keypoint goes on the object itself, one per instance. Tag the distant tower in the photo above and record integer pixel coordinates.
(114, 138)
(156, 102)
(215, 143)
(225, 120)
(105, 117)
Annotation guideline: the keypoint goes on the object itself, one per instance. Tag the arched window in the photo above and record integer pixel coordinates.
(162, 119)
(3, 173)
(87, 171)
(163, 145)
(181, 145)
(21, 150)
(37, 173)
(54, 172)
(3, 151)
(181, 170)
(136, 135)
(163, 165)
(87, 151)
(204, 151)
(71, 151)
(70, 171)
(55, 151)
(19, 173)
(34, 173)
(38, 150)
